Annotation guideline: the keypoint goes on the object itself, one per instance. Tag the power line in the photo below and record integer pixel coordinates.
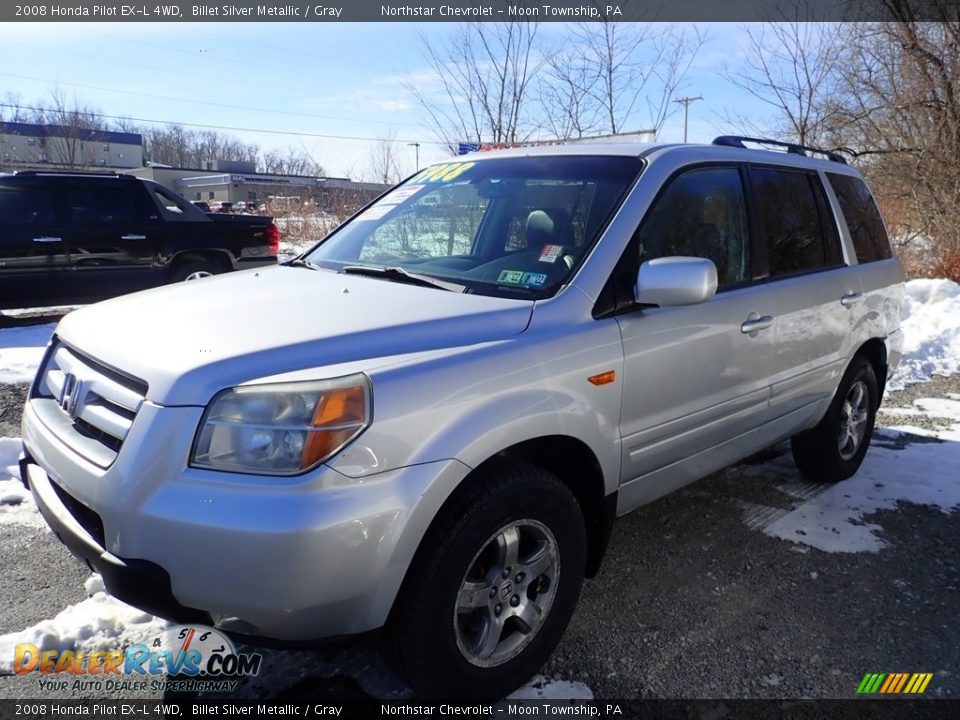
(204, 102)
(220, 127)
(310, 55)
(156, 68)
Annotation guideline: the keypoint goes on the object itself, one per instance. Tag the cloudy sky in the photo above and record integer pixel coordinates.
(330, 89)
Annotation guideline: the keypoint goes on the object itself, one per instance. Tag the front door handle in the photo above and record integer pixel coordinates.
(755, 322)
(851, 298)
(133, 237)
(46, 238)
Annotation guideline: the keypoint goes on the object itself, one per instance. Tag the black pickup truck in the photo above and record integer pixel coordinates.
(71, 238)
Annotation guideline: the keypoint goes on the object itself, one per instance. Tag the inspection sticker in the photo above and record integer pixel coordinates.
(533, 279)
(510, 277)
(550, 253)
(523, 279)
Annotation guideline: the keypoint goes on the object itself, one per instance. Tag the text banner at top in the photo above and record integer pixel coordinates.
(480, 11)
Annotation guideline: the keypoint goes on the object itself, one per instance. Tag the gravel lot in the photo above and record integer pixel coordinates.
(690, 603)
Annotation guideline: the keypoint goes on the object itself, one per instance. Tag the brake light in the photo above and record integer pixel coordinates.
(273, 239)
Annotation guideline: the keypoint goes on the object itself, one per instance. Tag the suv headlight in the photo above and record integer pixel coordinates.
(282, 428)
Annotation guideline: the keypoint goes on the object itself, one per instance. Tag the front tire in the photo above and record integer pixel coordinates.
(493, 587)
(833, 450)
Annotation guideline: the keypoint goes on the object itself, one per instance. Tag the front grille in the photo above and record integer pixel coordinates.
(85, 404)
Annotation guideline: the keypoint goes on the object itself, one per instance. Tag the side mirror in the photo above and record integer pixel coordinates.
(670, 281)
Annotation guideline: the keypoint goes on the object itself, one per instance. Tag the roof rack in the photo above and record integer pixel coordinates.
(73, 173)
(792, 148)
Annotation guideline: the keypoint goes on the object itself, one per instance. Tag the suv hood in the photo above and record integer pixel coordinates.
(190, 340)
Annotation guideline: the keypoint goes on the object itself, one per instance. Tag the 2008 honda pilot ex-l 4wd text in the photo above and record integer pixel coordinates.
(429, 421)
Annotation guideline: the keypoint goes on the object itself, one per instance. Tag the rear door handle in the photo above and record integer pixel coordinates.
(133, 237)
(851, 298)
(47, 239)
(753, 324)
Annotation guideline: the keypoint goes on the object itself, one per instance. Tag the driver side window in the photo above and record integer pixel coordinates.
(702, 213)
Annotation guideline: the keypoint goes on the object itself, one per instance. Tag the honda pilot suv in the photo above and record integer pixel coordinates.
(430, 420)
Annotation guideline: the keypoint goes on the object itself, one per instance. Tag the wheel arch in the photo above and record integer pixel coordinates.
(572, 462)
(218, 255)
(875, 351)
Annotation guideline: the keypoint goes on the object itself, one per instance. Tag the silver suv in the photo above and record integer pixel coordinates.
(430, 420)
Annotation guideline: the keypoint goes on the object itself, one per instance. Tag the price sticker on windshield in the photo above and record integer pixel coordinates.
(444, 173)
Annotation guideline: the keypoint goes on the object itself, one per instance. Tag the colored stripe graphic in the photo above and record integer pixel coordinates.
(903, 680)
(894, 683)
(892, 680)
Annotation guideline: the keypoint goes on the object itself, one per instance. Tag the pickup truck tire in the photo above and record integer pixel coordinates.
(833, 450)
(493, 586)
(195, 267)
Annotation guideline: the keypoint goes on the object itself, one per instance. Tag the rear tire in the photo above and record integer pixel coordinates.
(195, 268)
(493, 586)
(833, 450)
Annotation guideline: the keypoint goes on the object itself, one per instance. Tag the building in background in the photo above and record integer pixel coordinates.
(30, 146)
(240, 182)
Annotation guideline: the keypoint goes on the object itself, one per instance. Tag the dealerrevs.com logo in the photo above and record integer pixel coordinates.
(183, 657)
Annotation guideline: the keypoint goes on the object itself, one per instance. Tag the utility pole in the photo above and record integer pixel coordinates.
(416, 147)
(685, 101)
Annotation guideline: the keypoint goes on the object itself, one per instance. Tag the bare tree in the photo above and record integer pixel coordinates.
(181, 147)
(795, 67)
(632, 70)
(568, 108)
(11, 108)
(886, 93)
(484, 72)
(293, 161)
(901, 115)
(73, 121)
(383, 165)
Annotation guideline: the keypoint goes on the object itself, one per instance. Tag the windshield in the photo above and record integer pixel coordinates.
(514, 227)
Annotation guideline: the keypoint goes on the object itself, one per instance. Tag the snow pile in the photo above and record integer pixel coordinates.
(101, 622)
(21, 349)
(894, 470)
(931, 331)
(541, 688)
(16, 503)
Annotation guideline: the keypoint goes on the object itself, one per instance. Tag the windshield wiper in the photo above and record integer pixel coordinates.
(398, 274)
(301, 262)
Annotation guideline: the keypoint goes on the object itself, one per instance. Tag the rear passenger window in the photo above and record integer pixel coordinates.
(99, 205)
(862, 216)
(702, 213)
(794, 220)
(20, 205)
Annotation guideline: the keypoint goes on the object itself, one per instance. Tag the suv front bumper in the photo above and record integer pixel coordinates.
(140, 583)
(292, 559)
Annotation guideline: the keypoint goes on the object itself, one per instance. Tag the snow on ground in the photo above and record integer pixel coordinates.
(16, 503)
(541, 688)
(895, 470)
(21, 349)
(101, 622)
(931, 331)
